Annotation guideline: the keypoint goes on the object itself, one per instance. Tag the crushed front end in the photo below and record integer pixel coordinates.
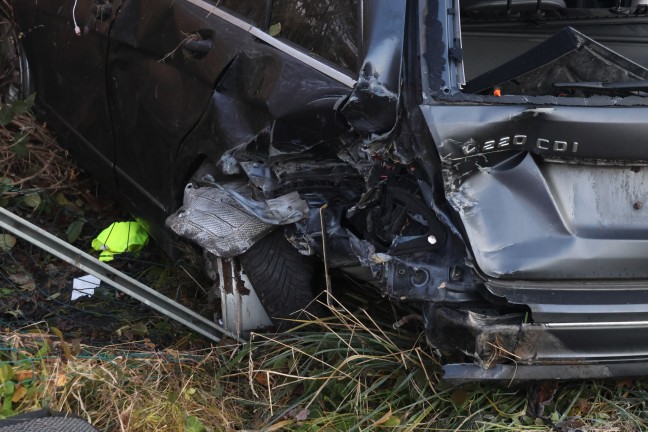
(503, 201)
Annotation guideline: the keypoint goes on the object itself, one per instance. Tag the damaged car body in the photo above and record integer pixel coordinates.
(481, 161)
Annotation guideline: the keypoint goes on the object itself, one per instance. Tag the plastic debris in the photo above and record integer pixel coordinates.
(120, 237)
(84, 286)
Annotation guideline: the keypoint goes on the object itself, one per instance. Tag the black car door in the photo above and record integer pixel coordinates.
(190, 77)
(164, 59)
(68, 67)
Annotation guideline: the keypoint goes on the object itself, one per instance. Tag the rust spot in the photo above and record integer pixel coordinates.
(240, 285)
(227, 277)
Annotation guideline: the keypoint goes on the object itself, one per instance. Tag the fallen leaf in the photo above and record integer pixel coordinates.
(384, 419)
(193, 424)
(73, 231)
(32, 200)
(625, 383)
(62, 200)
(9, 388)
(6, 372)
(539, 396)
(61, 380)
(140, 329)
(54, 296)
(19, 145)
(24, 375)
(31, 286)
(7, 241)
(19, 393)
(20, 278)
(261, 378)
(392, 422)
(274, 29)
(16, 313)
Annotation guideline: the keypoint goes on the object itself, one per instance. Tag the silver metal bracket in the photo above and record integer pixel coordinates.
(120, 281)
(241, 308)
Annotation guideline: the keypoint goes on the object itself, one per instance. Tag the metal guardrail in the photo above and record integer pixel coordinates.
(120, 281)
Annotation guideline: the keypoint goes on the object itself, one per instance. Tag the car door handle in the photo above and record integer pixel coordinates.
(198, 46)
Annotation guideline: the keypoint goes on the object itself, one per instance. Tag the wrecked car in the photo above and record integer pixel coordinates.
(483, 161)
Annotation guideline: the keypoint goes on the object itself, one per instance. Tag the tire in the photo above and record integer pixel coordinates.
(282, 278)
(17, 81)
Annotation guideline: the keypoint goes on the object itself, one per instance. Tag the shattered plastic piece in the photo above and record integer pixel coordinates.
(120, 237)
(84, 286)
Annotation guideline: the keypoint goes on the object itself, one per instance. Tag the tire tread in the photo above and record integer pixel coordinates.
(281, 276)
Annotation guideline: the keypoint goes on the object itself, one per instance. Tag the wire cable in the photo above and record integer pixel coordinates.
(77, 29)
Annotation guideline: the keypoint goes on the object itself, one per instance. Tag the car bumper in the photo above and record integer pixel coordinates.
(464, 373)
(551, 331)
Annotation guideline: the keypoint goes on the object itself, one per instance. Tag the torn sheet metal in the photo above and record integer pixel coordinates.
(283, 210)
(216, 221)
(561, 221)
(372, 108)
(574, 200)
(226, 220)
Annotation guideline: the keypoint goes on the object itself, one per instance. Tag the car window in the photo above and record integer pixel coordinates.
(253, 11)
(328, 28)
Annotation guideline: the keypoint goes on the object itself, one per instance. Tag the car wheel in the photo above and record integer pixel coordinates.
(15, 75)
(282, 278)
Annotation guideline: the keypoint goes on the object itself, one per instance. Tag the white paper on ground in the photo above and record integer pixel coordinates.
(84, 286)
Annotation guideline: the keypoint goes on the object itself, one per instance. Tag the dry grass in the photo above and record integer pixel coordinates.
(31, 162)
(118, 387)
(346, 373)
(45, 166)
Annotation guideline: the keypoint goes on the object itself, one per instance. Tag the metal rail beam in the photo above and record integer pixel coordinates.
(72, 255)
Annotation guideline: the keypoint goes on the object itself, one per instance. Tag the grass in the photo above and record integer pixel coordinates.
(345, 373)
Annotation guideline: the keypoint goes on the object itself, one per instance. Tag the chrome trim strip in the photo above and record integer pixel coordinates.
(597, 324)
(260, 34)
